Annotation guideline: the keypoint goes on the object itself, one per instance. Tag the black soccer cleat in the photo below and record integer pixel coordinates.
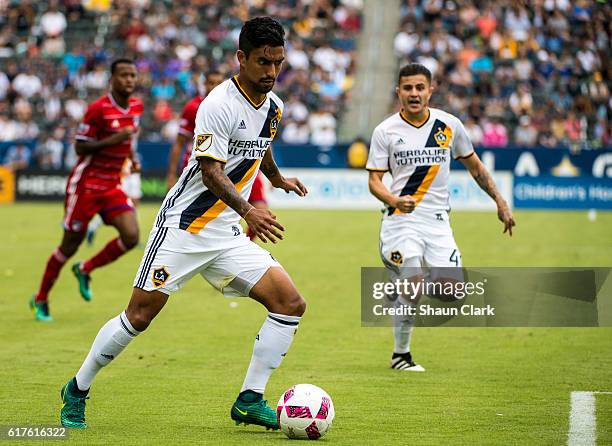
(404, 362)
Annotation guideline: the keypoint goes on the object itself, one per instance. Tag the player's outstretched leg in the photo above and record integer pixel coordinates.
(111, 340)
(278, 294)
(39, 303)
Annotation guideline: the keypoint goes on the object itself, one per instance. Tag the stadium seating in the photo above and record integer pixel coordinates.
(524, 73)
(61, 51)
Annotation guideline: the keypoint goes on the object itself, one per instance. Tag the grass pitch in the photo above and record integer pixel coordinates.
(176, 382)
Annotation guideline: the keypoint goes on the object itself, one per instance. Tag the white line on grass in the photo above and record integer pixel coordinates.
(582, 421)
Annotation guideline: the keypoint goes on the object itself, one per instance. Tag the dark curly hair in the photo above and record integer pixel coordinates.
(259, 32)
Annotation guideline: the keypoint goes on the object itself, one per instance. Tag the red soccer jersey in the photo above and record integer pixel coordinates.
(101, 170)
(188, 124)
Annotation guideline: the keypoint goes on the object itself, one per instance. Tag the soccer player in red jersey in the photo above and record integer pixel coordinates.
(104, 140)
(185, 134)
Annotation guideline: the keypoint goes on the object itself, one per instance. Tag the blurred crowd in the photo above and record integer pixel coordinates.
(525, 73)
(55, 57)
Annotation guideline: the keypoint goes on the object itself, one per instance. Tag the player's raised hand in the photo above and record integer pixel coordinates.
(405, 204)
(505, 216)
(290, 185)
(263, 223)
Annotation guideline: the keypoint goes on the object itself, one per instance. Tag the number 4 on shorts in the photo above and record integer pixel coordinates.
(454, 257)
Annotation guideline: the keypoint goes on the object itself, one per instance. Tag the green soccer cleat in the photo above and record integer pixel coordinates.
(83, 280)
(73, 410)
(255, 412)
(40, 310)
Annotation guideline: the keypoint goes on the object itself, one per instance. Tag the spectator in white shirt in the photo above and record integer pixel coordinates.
(295, 109)
(27, 84)
(296, 56)
(53, 22)
(296, 132)
(322, 125)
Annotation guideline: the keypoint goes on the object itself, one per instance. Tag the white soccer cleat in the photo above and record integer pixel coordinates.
(405, 363)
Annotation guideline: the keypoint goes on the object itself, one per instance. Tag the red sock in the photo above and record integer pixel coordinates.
(54, 266)
(111, 252)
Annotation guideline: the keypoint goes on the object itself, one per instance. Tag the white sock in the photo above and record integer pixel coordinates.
(402, 331)
(271, 345)
(112, 338)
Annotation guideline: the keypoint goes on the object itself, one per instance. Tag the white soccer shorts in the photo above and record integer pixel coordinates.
(173, 256)
(421, 238)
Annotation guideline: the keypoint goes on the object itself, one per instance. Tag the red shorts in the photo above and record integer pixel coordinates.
(258, 191)
(80, 208)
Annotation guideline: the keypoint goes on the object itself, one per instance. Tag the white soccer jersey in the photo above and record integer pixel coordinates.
(418, 158)
(229, 127)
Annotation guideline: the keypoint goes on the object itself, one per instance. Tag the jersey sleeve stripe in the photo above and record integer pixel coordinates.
(207, 206)
(210, 156)
(372, 169)
(466, 156)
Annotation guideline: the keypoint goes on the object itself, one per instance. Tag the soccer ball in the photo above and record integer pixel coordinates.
(305, 411)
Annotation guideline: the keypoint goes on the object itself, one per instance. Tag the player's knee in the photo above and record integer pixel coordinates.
(296, 306)
(139, 317)
(130, 239)
(69, 249)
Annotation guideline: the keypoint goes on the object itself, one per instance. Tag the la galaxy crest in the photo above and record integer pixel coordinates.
(160, 276)
(274, 123)
(203, 142)
(443, 137)
(396, 257)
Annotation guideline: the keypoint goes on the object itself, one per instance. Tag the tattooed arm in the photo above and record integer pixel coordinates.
(261, 221)
(270, 170)
(482, 176)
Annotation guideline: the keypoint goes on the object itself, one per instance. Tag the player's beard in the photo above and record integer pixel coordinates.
(262, 88)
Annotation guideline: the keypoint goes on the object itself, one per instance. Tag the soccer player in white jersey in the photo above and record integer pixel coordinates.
(197, 229)
(415, 146)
